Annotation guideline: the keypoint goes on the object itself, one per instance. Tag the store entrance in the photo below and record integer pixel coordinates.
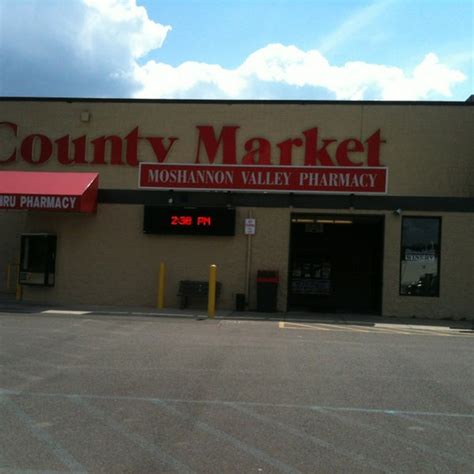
(336, 263)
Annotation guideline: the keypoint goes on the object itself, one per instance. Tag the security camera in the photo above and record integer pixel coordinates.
(397, 212)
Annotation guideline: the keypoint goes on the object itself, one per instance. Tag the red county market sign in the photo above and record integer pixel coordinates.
(349, 165)
(343, 172)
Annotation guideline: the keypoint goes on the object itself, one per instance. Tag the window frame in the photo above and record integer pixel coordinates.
(439, 219)
(49, 263)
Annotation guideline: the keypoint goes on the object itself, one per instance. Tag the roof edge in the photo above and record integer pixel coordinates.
(468, 102)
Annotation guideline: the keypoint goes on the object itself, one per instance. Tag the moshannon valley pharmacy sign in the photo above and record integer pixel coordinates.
(264, 178)
(329, 164)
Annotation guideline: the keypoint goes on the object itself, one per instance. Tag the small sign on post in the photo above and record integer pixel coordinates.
(249, 226)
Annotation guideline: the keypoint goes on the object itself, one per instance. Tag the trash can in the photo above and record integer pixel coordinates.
(267, 290)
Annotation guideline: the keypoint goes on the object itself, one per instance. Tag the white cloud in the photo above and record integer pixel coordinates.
(85, 48)
(94, 47)
(125, 23)
(162, 80)
(293, 67)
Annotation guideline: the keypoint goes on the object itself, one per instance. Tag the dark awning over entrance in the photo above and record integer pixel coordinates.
(49, 191)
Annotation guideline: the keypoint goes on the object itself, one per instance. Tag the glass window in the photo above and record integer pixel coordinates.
(419, 269)
(38, 252)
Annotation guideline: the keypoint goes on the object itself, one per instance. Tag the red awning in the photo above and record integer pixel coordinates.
(38, 190)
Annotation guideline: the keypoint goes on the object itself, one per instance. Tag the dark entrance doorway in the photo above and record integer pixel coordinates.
(336, 263)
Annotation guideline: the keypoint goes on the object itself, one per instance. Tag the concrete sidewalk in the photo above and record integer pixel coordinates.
(8, 304)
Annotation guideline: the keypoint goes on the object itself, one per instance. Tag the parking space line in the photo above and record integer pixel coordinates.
(140, 441)
(290, 325)
(344, 327)
(42, 435)
(387, 330)
(378, 328)
(422, 332)
(83, 397)
(222, 436)
(340, 451)
(330, 327)
(369, 427)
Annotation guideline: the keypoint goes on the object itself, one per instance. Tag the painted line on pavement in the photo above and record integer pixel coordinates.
(355, 456)
(222, 436)
(377, 328)
(382, 411)
(42, 435)
(340, 327)
(334, 328)
(387, 435)
(430, 424)
(134, 437)
(287, 325)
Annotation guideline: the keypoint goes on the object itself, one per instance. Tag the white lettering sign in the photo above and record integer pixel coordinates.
(249, 226)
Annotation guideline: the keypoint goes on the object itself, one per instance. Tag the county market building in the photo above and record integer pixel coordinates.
(345, 206)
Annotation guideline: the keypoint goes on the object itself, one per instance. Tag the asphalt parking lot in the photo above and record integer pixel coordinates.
(109, 393)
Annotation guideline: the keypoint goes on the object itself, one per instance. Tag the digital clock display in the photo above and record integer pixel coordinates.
(189, 221)
(179, 219)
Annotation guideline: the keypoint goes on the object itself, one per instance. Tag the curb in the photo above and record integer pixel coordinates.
(200, 315)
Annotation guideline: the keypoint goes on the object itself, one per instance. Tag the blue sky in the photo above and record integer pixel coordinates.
(246, 49)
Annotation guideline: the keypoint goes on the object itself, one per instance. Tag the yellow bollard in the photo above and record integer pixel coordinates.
(160, 303)
(211, 302)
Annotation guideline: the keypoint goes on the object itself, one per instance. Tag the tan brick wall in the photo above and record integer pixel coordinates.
(270, 250)
(429, 149)
(11, 226)
(456, 298)
(106, 259)
(428, 152)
